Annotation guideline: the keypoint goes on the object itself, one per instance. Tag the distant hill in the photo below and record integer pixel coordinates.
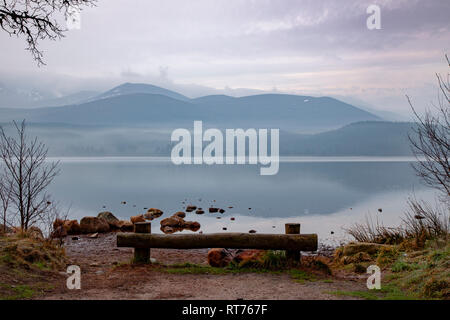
(290, 112)
(358, 139)
(133, 88)
(371, 138)
(142, 104)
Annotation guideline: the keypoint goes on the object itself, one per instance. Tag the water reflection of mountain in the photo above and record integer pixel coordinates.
(297, 189)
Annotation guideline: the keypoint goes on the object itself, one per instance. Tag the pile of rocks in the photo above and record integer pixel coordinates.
(102, 223)
(177, 223)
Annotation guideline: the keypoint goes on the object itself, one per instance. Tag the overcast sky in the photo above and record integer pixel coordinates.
(303, 47)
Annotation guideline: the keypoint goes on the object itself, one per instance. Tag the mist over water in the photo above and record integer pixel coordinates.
(324, 194)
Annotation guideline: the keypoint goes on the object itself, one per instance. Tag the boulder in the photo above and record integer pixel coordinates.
(136, 219)
(180, 214)
(125, 226)
(173, 221)
(218, 257)
(110, 218)
(213, 210)
(57, 223)
(190, 208)
(370, 248)
(72, 227)
(252, 231)
(199, 212)
(221, 210)
(93, 225)
(153, 213)
(192, 225)
(169, 230)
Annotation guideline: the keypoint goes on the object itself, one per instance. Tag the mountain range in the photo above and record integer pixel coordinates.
(148, 105)
(137, 119)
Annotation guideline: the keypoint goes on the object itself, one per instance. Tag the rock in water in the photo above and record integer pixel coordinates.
(93, 225)
(176, 223)
(192, 225)
(180, 214)
(190, 208)
(153, 213)
(136, 219)
(218, 257)
(173, 221)
(199, 212)
(213, 210)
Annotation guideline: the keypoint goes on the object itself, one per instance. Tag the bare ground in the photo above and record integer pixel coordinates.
(107, 274)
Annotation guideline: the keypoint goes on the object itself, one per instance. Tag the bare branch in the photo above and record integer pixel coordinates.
(431, 141)
(37, 20)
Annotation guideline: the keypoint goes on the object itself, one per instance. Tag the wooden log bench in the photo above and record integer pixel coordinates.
(142, 241)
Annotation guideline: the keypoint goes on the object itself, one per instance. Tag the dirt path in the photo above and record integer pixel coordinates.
(107, 275)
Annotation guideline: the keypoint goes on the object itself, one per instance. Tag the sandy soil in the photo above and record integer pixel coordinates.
(107, 275)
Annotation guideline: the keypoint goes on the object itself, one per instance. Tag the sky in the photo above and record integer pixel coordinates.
(239, 47)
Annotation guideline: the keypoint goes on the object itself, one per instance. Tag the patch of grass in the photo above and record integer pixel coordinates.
(328, 281)
(387, 255)
(275, 260)
(301, 276)
(16, 292)
(436, 288)
(191, 268)
(41, 265)
(359, 268)
(399, 266)
(27, 266)
(387, 292)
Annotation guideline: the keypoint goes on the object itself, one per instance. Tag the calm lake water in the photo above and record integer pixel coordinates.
(323, 194)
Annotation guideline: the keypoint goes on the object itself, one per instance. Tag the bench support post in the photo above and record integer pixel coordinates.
(292, 228)
(142, 255)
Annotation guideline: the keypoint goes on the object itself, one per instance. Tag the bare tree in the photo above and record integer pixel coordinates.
(37, 20)
(431, 140)
(28, 173)
(5, 197)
